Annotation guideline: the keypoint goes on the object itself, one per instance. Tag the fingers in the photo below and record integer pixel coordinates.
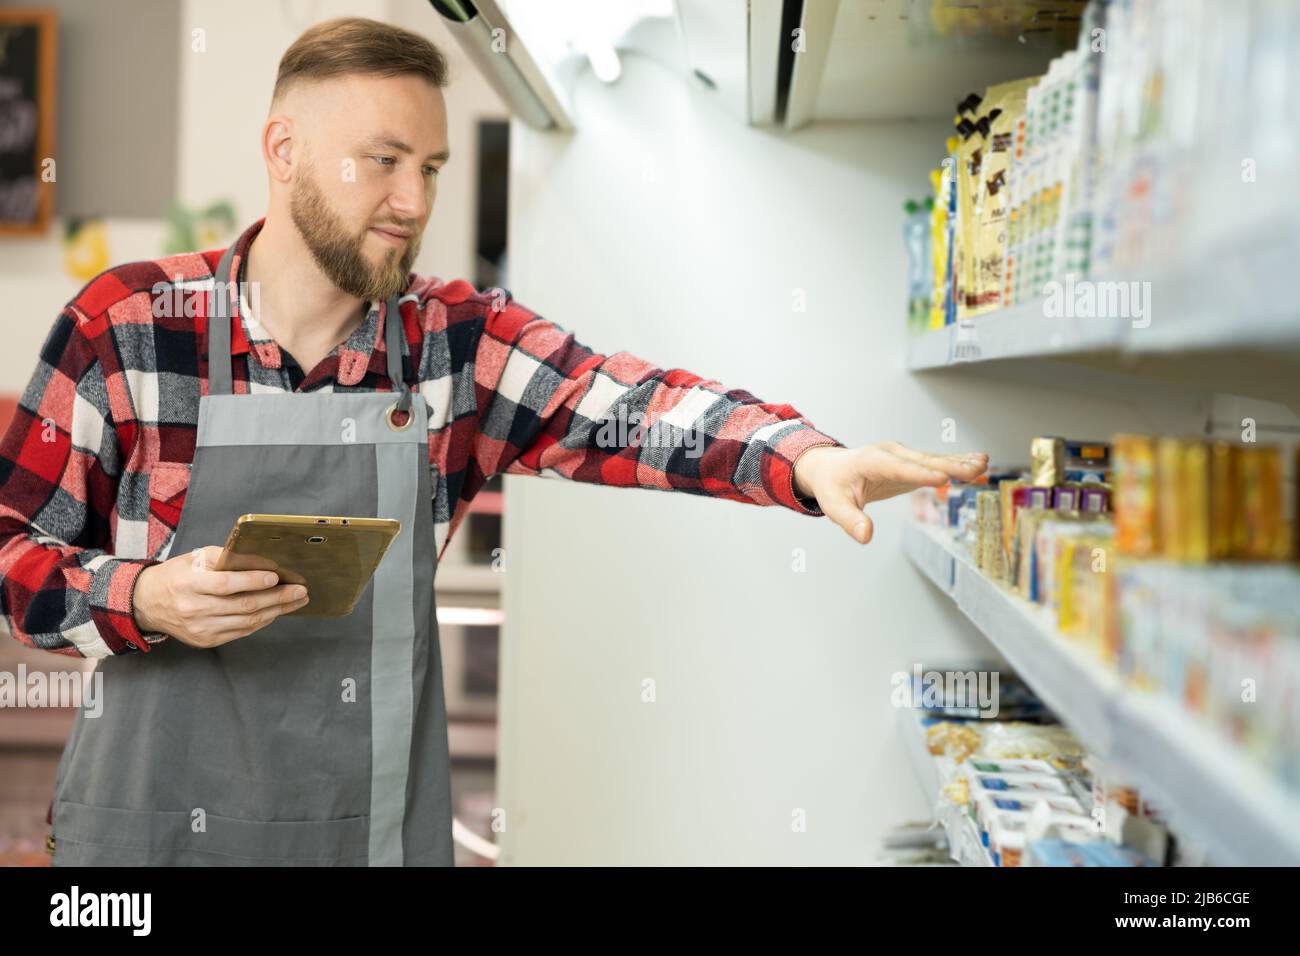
(842, 509)
(234, 582)
(250, 602)
(240, 625)
(891, 468)
(960, 467)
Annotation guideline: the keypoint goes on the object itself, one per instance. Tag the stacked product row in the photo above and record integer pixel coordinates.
(1170, 560)
(1032, 794)
(1161, 137)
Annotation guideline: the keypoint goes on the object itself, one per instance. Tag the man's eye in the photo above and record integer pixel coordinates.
(384, 160)
(431, 170)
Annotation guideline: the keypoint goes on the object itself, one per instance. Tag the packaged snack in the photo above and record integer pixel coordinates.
(1107, 785)
(953, 739)
(1006, 841)
(1089, 476)
(1094, 499)
(1068, 497)
(1169, 496)
(1025, 580)
(986, 806)
(1005, 104)
(1136, 531)
(1048, 765)
(1054, 851)
(1006, 512)
(1029, 496)
(989, 554)
(1086, 589)
(1018, 739)
(1008, 832)
(1087, 454)
(1047, 461)
(916, 238)
(1227, 529)
(982, 783)
(1261, 502)
(956, 792)
(1194, 536)
(1049, 551)
(938, 243)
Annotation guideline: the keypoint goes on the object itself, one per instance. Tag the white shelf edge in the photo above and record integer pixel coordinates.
(1210, 311)
(1208, 791)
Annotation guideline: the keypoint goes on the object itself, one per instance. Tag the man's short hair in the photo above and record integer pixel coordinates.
(347, 45)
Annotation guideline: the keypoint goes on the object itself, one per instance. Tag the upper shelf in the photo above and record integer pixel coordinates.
(914, 59)
(1220, 320)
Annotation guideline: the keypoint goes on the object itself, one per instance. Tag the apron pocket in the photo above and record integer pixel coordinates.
(105, 836)
(168, 483)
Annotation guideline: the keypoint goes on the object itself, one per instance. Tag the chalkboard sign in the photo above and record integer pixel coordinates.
(27, 77)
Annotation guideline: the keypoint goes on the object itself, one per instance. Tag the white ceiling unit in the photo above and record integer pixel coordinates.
(767, 62)
(859, 60)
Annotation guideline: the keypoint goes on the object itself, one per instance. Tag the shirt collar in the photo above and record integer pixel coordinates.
(363, 351)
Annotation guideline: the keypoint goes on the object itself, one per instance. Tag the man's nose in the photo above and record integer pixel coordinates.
(411, 199)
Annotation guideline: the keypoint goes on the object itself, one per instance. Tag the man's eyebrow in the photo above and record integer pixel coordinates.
(392, 142)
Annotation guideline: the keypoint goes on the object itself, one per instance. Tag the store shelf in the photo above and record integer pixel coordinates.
(964, 844)
(1025, 332)
(1022, 332)
(1221, 319)
(1208, 790)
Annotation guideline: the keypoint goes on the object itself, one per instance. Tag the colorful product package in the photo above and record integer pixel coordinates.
(1005, 103)
(1047, 461)
(1008, 833)
(1136, 525)
(1054, 851)
(1261, 499)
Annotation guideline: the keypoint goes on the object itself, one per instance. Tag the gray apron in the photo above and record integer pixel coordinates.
(313, 741)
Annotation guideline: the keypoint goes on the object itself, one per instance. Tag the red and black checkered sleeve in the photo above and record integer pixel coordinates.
(551, 406)
(60, 460)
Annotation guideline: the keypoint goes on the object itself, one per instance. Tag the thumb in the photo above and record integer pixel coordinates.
(848, 514)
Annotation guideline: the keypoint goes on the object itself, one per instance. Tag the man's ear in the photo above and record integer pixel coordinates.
(277, 147)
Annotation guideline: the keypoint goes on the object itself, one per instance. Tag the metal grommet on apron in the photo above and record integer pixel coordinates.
(313, 741)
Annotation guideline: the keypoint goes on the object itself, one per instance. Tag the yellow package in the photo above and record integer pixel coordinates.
(1169, 503)
(1005, 104)
(1227, 531)
(1195, 532)
(1261, 502)
(939, 242)
(1136, 525)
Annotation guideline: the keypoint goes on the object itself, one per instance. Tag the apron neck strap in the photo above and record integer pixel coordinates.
(220, 381)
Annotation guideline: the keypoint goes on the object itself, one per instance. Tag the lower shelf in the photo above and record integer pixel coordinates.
(1236, 811)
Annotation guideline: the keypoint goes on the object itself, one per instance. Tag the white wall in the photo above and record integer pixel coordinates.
(666, 229)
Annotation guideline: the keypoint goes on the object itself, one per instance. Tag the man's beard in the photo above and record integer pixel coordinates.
(339, 254)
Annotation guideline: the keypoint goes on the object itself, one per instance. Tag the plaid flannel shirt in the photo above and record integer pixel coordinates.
(95, 463)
